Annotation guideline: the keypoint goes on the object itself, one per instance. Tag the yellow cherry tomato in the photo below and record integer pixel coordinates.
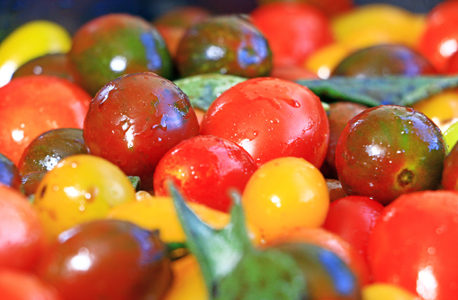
(29, 41)
(451, 136)
(395, 23)
(324, 60)
(381, 291)
(284, 194)
(80, 188)
(442, 108)
(188, 282)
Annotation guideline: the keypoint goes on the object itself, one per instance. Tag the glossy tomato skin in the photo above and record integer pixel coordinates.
(21, 233)
(51, 64)
(107, 259)
(389, 150)
(303, 30)
(352, 218)
(116, 44)
(438, 41)
(270, 118)
(411, 244)
(205, 168)
(18, 285)
(45, 151)
(32, 105)
(226, 45)
(134, 120)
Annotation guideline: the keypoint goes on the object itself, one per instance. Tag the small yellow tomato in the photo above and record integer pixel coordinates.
(188, 282)
(393, 22)
(284, 194)
(382, 291)
(152, 212)
(29, 41)
(80, 188)
(442, 108)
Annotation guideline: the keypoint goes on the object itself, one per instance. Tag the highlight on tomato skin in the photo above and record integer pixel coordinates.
(134, 120)
(32, 105)
(205, 168)
(270, 118)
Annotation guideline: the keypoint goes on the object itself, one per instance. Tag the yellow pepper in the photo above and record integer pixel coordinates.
(29, 41)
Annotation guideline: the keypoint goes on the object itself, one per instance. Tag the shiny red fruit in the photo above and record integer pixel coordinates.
(413, 243)
(17, 285)
(134, 120)
(21, 233)
(205, 168)
(32, 105)
(270, 118)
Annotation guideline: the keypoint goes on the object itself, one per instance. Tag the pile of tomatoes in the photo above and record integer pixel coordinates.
(95, 126)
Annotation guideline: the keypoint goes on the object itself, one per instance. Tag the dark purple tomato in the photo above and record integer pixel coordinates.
(9, 173)
(31, 181)
(384, 60)
(335, 189)
(226, 45)
(51, 64)
(116, 44)
(390, 150)
(134, 120)
(205, 168)
(338, 115)
(107, 259)
(45, 151)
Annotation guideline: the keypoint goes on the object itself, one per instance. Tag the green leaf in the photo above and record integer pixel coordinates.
(231, 267)
(203, 89)
(399, 90)
(135, 181)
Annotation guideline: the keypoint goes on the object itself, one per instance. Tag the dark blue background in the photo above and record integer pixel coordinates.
(73, 13)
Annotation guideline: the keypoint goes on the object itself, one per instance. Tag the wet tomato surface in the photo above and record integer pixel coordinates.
(389, 150)
(410, 245)
(206, 169)
(271, 118)
(134, 120)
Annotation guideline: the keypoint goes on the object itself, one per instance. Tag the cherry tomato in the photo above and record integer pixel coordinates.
(450, 172)
(224, 44)
(283, 194)
(173, 24)
(442, 108)
(452, 64)
(16, 285)
(134, 120)
(353, 218)
(411, 244)
(205, 169)
(270, 118)
(330, 7)
(80, 188)
(51, 64)
(112, 45)
(389, 150)
(107, 259)
(332, 242)
(303, 30)
(440, 37)
(21, 234)
(32, 105)
(155, 212)
(335, 189)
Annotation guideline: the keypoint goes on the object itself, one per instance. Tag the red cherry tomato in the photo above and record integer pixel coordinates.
(413, 244)
(32, 105)
(270, 118)
(352, 218)
(293, 30)
(205, 168)
(16, 285)
(21, 233)
(135, 119)
(439, 40)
